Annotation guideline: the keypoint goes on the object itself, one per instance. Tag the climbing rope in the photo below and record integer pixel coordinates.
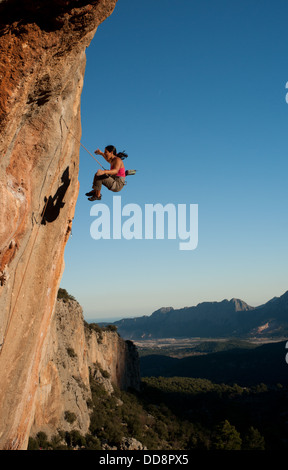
(128, 172)
(28, 260)
(81, 143)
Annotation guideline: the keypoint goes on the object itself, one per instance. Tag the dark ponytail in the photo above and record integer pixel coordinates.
(112, 149)
(122, 155)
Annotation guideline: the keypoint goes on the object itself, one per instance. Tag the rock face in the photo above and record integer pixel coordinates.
(72, 354)
(42, 62)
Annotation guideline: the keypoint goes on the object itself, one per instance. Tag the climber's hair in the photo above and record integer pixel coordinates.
(112, 149)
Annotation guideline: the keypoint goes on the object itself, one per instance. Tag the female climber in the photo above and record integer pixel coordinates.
(113, 179)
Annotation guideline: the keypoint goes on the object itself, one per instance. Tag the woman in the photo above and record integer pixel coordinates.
(113, 179)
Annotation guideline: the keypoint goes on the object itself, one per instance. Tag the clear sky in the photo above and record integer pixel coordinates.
(194, 91)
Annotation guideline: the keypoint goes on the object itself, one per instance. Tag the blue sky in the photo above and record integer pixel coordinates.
(195, 93)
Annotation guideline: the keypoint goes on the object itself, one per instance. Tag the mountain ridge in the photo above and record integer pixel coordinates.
(224, 318)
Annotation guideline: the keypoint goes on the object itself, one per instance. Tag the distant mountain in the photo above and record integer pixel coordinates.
(228, 318)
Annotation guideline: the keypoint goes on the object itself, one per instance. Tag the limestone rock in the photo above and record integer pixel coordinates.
(73, 352)
(130, 443)
(42, 63)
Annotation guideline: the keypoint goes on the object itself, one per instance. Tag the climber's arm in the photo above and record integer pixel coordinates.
(113, 171)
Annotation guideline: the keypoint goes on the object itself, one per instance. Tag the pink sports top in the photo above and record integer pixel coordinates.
(121, 172)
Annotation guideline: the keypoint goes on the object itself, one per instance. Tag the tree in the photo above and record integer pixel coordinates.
(253, 440)
(226, 437)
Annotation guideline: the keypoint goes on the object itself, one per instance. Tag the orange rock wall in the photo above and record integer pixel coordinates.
(42, 64)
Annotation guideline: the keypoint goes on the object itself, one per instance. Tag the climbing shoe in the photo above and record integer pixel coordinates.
(90, 194)
(94, 198)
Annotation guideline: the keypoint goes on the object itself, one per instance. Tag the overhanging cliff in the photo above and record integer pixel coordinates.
(42, 63)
